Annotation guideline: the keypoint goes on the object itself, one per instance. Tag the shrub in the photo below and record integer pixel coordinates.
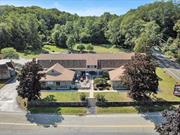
(100, 83)
(100, 98)
(80, 47)
(83, 96)
(9, 53)
(89, 48)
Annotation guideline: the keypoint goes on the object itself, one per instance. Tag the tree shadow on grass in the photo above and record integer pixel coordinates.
(152, 111)
(45, 119)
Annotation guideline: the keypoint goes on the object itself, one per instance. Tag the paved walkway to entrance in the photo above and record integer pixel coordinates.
(91, 92)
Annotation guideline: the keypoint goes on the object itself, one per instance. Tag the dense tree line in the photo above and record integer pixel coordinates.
(155, 24)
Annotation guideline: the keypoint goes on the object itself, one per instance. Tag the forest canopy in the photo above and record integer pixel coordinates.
(155, 24)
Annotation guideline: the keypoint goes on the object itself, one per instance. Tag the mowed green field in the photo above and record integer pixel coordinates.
(53, 48)
(59, 110)
(62, 96)
(102, 48)
(28, 54)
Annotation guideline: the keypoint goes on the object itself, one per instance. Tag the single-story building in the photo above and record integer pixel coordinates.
(83, 65)
(7, 70)
(57, 77)
(115, 77)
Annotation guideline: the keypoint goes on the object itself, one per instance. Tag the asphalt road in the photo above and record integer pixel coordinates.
(8, 96)
(171, 67)
(44, 124)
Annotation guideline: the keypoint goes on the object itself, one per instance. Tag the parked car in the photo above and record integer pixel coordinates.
(177, 90)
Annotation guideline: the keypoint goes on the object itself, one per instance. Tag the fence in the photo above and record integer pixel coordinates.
(99, 104)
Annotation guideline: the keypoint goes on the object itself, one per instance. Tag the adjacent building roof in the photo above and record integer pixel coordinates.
(6, 65)
(64, 74)
(116, 74)
(3, 67)
(90, 58)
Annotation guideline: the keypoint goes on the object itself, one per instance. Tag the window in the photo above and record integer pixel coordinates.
(50, 83)
(58, 83)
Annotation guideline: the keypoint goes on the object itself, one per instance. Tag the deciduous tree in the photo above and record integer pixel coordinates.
(29, 81)
(170, 124)
(140, 76)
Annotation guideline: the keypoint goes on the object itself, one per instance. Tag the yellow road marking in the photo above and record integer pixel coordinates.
(84, 126)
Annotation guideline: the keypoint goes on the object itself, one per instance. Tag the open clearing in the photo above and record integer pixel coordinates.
(28, 54)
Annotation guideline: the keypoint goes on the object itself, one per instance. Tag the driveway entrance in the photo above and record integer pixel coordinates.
(8, 96)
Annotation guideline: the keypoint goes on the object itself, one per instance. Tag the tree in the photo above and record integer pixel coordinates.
(140, 76)
(171, 123)
(5, 35)
(59, 39)
(10, 53)
(80, 47)
(24, 31)
(177, 28)
(70, 42)
(114, 34)
(90, 48)
(148, 38)
(29, 81)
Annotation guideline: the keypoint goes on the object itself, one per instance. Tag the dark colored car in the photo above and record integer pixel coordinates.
(177, 90)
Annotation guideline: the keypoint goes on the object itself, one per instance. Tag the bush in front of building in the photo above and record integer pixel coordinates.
(100, 98)
(101, 83)
(82, 96)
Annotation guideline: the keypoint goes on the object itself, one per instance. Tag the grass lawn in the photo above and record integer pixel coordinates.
(28, 54)
(106, 110)
(59, 110)
(103, 48)
(53, 48)
(115, 96)
(166, 85)
(133, 109)
(61, 96)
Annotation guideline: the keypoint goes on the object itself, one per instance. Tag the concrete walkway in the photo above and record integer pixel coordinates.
(91, 100)
(91, 92)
